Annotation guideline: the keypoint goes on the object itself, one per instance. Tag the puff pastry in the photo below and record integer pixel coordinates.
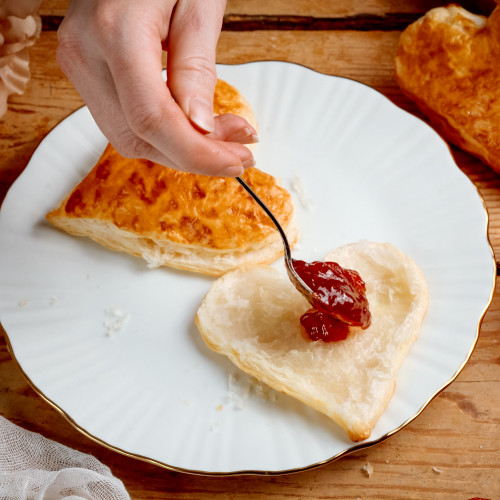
(172, 218)
(252, 316)
(448, 63)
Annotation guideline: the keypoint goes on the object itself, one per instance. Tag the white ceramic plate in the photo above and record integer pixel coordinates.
(154, 390)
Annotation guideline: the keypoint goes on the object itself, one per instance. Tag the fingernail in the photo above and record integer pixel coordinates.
(201, 114)
(233, 171)
(245, 135)
(249, 163)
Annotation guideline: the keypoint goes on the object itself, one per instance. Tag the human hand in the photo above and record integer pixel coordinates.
(111, 52)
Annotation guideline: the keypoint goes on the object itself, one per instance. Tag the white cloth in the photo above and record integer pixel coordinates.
(33, 467)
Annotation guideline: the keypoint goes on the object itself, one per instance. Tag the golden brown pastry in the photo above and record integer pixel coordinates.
(178, 219)
(228, 99)
(448, 62)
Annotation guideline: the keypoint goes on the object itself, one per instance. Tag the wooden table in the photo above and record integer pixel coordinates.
(452, 450)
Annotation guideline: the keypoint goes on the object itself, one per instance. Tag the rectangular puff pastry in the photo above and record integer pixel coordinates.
(171, 218)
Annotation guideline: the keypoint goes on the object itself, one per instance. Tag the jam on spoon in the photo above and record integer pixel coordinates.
(340, 300)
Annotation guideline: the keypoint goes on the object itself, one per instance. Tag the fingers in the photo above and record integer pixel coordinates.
(233, 128)
(79, 56)
(156, 118)
(114, 61)
(159, 121)
(192, 42)
(83, 38)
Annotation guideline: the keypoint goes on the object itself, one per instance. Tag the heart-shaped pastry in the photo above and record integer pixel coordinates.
(448, 62)
(253, 315)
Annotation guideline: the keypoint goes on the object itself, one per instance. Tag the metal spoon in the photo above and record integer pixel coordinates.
(297, 281)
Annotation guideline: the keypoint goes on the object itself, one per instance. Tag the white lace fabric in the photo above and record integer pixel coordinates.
(33, 467)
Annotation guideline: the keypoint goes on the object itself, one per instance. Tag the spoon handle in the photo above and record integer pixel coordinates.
(292, 274)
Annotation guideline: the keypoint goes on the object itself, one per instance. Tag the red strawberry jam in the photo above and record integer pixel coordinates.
(341, 300)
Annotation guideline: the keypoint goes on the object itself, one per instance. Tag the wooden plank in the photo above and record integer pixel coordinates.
(48, 98)
(363, 56)
(306, 15)
(53, 7)
(323, 8)
(363, 20)
(328, 8)
(345, 8)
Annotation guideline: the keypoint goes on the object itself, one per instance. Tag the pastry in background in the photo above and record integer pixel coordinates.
(171, 218)
(448, 62)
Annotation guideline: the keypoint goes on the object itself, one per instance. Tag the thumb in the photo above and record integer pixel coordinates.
(191, 77)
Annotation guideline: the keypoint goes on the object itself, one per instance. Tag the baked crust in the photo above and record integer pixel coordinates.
(447, 62)
(153, 201)
(179, 219)
(228, 99)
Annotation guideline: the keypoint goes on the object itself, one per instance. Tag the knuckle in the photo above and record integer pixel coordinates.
(69, 48)
(144, 121)
(106, 19)
(199, 69)
(129, 145)
(133, 147)
(101, 27)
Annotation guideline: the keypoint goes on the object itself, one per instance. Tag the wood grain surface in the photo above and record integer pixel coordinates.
(452, 449)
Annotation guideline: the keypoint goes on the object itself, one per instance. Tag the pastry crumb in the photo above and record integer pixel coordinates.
(215, 425)
(437, 471)
(116, 320)
(368, 469)
(241, 387)
(298, 187)
(23, 303)
(264, 392)
(238, 391)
